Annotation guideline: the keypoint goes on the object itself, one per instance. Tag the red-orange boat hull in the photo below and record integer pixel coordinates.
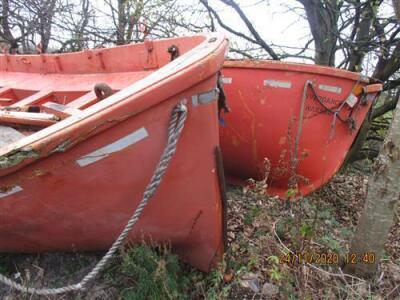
(304, 150)
(59, 194)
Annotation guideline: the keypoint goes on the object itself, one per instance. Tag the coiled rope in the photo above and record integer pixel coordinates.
(176, 124)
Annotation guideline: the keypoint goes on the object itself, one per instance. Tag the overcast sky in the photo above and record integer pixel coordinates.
(279, 22)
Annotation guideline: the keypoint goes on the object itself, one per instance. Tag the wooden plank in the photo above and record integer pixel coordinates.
(84, 101)
(5, 100)
(33, 99)
(27, 118)
(60, 110)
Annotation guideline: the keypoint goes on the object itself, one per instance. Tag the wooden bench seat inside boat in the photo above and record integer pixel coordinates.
(33, 111)
(33, 99)
(37, 91)
(58, 86)
(60, 110)
(5, 98)
(61, 102)
(28, 118)
(84, 101)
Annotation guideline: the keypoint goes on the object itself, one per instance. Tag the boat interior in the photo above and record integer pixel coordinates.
(37, 91)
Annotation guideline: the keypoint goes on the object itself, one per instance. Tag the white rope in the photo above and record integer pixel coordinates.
(176, 124)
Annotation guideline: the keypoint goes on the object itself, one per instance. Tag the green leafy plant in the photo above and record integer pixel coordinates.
(3, 268)
(250, 216)
(273, 259)
(306, 230)
(156, 274)
(290, 193)
(215, 283)
(275, 274)
(332, 244)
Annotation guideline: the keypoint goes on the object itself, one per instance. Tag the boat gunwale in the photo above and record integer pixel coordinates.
(299, 68)
(198, 56)
(6, 58)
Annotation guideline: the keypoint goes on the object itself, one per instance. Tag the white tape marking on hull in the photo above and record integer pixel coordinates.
(330, 88)
(14, 190)
(278, 84)
(118, 145)
(227, 80)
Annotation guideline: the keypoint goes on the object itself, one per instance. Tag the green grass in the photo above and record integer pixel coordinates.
(3, 267)
(250, 216)
(155, 274)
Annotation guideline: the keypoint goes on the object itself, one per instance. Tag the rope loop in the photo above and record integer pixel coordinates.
(175, 127)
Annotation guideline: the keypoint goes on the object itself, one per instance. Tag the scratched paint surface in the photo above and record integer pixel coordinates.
(116, 146)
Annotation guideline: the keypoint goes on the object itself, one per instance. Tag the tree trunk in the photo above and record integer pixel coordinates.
(362, 41)
(322, 17)
(122, 18)
(387, 65)
(6, 33)
(380, 205)
(46, 22)
(396, 6)
(354, 152)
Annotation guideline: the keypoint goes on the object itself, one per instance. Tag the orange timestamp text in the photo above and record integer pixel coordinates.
(326, 258)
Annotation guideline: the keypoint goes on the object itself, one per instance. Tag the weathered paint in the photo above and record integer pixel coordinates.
(16, 157)
(322, 141)
(64, 206)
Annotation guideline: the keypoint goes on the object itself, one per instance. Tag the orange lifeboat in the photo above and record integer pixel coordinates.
(302, 118)
(81, 135)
